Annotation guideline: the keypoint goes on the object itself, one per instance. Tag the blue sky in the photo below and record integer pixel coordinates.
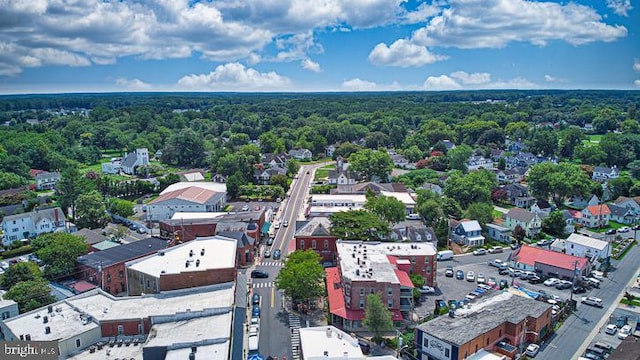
(317, 45)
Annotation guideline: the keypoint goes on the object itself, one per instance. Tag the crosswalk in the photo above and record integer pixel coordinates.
(294, 325)
(271, 263)
(263, 285)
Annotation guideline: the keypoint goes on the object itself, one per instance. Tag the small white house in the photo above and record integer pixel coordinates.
(585, 246)
(32, 224)
(499, 233)
(47, 180)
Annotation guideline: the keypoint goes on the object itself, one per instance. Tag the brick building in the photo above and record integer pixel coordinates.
(314, 234)
(188, 226)
(106, 268)
(201, 262)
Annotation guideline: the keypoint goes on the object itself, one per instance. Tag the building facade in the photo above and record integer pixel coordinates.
(31, 224)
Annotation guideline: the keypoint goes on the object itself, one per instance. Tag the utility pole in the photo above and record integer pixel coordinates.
(573, 283)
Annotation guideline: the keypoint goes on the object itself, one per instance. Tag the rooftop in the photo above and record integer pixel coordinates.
(531, 254)
(319, 199)
(597, 210)
(520, 215)
(216, 187)
(201, 254)
(328, 342)
(587, 241)
(471, 225)
(369, 261)
(482, 317)
(316, 226)
(122, 253)
(403, 197)
(214, 328)
(192, 194)
(179, 217)
(91, 236)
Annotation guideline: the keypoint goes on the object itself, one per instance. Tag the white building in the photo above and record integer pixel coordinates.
(328, 343)
(187, 197)
(32, 224)
(47, 180)
(585, 246)
(128, 164)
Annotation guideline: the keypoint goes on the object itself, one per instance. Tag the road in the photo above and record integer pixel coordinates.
(275, 337)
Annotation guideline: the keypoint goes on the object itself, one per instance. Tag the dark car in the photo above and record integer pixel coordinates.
(133, 227)
(460, 275)
(449, 271)
(365, 347)
(270, 241)
(579, 290)
(504, 284)
(259, 274)
(255, 311)
(621, 321)
(535, 280)
(255, 299)
(611, 231)
(277, 254)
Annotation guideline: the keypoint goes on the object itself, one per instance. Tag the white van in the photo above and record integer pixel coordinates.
(413, 217)
(444, 255)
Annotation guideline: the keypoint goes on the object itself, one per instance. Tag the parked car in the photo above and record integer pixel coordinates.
(255, 299)
(636, 227)
(267, 253)
(471, 276)
(260, 274)
(535, 279)
(277, 254)
(625, 331)
(621, 321)
(597, 275)
(492, 281)
(504, 271)
(526, 275)
(504, 284)
(592, 301)
(610, 231)
(471, 296)
(611, 329)
(495, 250)
(544, 242)
(497, 263)
(4, 265)
(480, 252)
(551, 282)
(245, 208)
(623, 229)
(579, 290)
(481, 279)
(365, 347)
(426, 290)
(564, 284)
(449, 271)
(532, 350)
(270, 241)
(276, 225)
(514, 246)
(255, 311)
(459, 274)
(285, 223)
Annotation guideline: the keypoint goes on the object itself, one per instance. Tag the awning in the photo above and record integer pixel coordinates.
(255, 357)
(265, 228)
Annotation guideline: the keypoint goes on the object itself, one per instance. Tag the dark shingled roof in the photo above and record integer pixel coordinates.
(91, 236)
(122, 253)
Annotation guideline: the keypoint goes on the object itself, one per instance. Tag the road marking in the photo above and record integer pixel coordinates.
(273, 297)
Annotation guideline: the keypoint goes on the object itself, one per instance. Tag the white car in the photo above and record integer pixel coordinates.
(471, 276)
(625, 331)
(276, 225)
(481, 279)
(480, 252)
(426, 290)
(495, 250)
(497, 263)
(532, 350)
(599, 275)
(611, 329)
(471, 296)
(551, 282)
(624, 229)
(592, 300)
(4, 265)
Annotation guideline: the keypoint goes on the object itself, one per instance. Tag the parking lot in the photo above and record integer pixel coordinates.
(450, 288)
(619, 317)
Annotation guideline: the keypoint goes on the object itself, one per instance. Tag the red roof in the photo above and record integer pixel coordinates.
(336, 298)
(575, 214)
(596, 210)
(82, 286)
(34, 172)
(404, 278)
(530, 255)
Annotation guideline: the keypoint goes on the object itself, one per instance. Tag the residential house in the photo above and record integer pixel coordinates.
(496, 154)
(580, 202)
(219, 178)
(263, 177)
(542, 208)
(301, 154)
(603, 173)
(515, 191)
(530, 222)
(342, 176)
(131, 161)
(91, 237)
(273, 160)
(47, 180)
(523, 159)
(329, 150)
(549, 263)
(477, 162)
(525, 201)
(192, 175)
(315, 234)
(510, 176)
(515, 147)
(596, 216)
(113, 166)
(499, 233)
(448, 144)
(621, 214)
(433, 187)
(413, 231)
(401, 162)
(632, 203)
(571, 217)
(598, 251)
(187, 197)
(478, 331)
(32, 224)
(467, 233)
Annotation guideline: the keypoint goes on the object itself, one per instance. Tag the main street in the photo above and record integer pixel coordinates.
(275, 335)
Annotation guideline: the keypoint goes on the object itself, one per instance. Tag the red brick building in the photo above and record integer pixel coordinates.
(188, 226)
(106, 269)
(314, 234)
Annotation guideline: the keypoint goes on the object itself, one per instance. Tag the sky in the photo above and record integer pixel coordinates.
(52, 46)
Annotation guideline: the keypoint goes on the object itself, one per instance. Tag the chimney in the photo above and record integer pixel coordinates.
(194, 349)
(197, 262)
(49, 309)
(191, 253)
(328, 332)
(47, 330)
(186, 264)
(202, 252)
(45, 319)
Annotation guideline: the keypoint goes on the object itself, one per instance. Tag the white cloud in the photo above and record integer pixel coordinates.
(422, 13)
(310, 65)
(553, 79)
(235, 77)
(403, 53)
(495, 23)
(636, 65)
(442, 82)
(620, 7)
(359, 85)
(636, 83)
(472, 79)
(133, 84)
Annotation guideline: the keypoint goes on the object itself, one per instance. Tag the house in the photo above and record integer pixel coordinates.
(401, 162)
(47, 180)
(91, 237)
(622, 214)
(603, 173)
(509, 176)
(530, 222)
(140, 157)
(432, 187)
(187, 197)
(515, 191)
(32, 224)
(201, 262)
(315, 234)
(571, 217)
(448, 144)
(192, 175)
(485, 325)
(525, 201)
(106, 268)
(329, 150)
(273, 160)
(219, 178)
(542, 208)
(328, 343)
(515, 146)
(496, 154)
(584, 246)
(413, 231)
(467, 233)
(477, 162)
(630, 203)
(549, 263)
(263, 177)
(366, 267)
(301, 154)
(580, 202)
(499, 233)
(341, 176)
(113, 166)
(595, 216)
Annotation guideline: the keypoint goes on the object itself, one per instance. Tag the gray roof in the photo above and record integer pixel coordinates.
(243, 239)
(520, 215)
(617, 210)
(490, 314)
(48, 175)
(91, 236)
(130, 160)
(472, 225)
(122, 253)
(602, 169)
(52, 214)
(317, 226)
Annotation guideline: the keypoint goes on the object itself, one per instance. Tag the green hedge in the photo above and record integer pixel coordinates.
(17, 252)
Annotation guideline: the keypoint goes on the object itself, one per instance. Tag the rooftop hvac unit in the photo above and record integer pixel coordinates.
(45, 319)
(191, 253)
(49, 309)
(197, 262)
(202, 252)
(47, 330)
(161, 252)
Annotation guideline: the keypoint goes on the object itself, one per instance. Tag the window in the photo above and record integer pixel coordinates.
(372, 290)
(326, 244)
(446, 352)
(108, 277)
(77, 343)
(301, 244)
(361, 291)
(361, 304)
(120, 329)
(5, 315)
(390, 291)
(121, 274)
(313, 244)
(426, 260)
(413, 259)
(390, 303)
(487, 341)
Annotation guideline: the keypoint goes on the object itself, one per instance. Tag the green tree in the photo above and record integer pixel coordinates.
(388, 208)
(591, 155)
(483, 212)
(22, 271)
(358, 225)
(458, 157)
(11, 180)
(31, 294)
(558, 181)
(293, 166)
(58, 252)
(570, 138)
(554, 224)
(418, 282)
(517, 130)
(185, 148)
(634, 169)
(469, 188)
(620, 186)
(544, 142)
(371, 163)
(377, 318)
(71, 186)
(91, 211)
(302, 276)
(233, 185)
(413, 153)
(121, 207)
(118, 232)
(519, 233)
(280, 180)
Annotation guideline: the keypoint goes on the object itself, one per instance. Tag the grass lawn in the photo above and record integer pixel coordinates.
(322, 173)
(592, 140)
(496, 214)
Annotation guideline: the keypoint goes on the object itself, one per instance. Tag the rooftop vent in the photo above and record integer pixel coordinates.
(326, 353)
(59, 309)
(328, 332)
(192, 356)
(105, 310)
(161, 252)
(197, 262)
(357, 272)
(49, 309)
(194, 349)
(191, 253)
(163, 271)
(47, 330)
(186, 264)
(45, 319)
(27, 337)
(353, 255)
(202, 252)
